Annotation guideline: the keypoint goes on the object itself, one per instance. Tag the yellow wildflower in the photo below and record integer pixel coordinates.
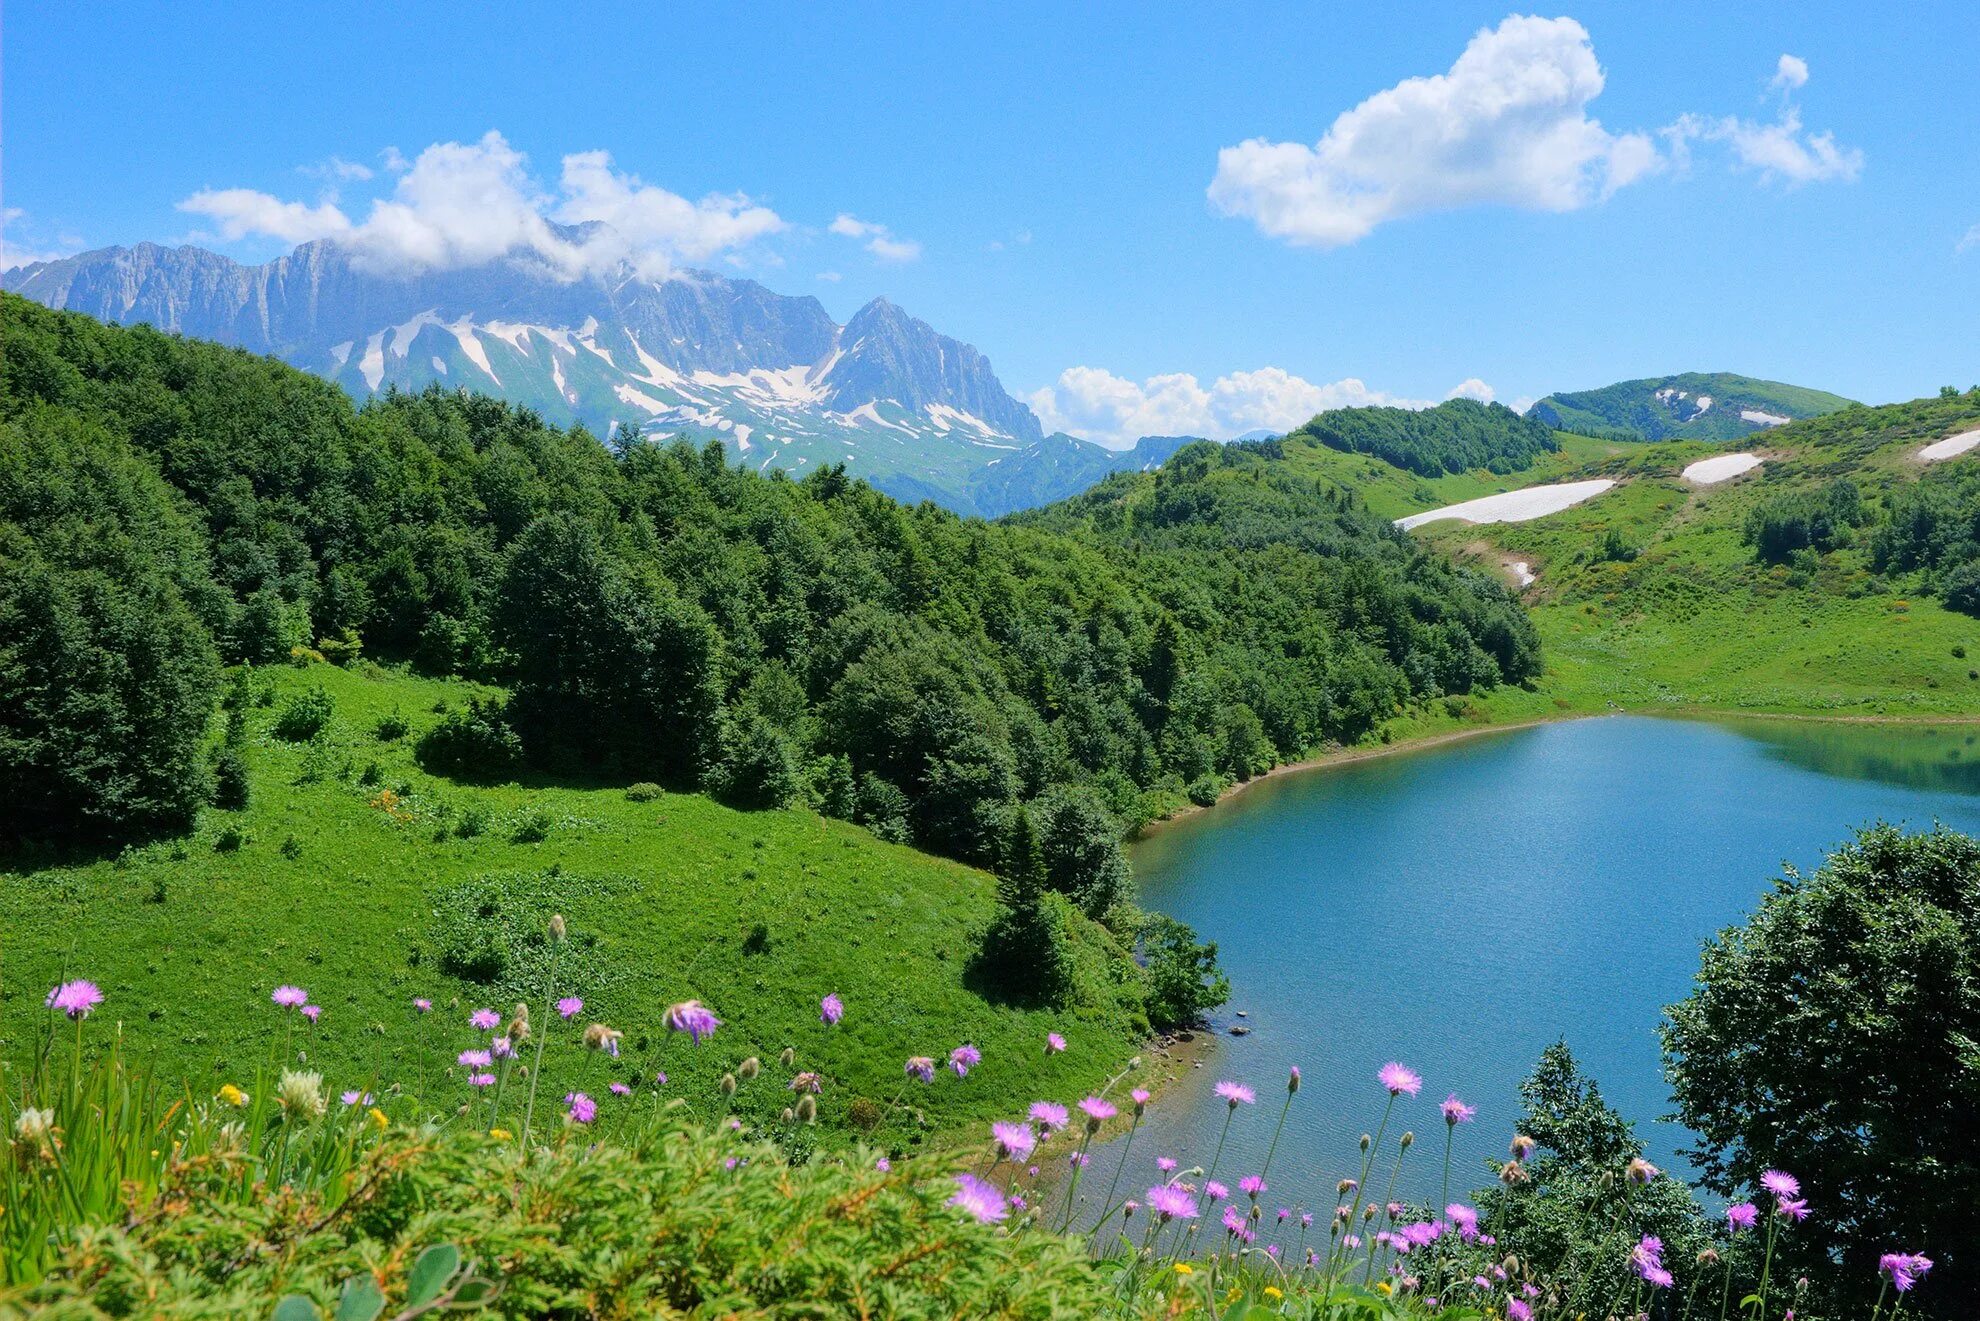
(500, 1134)
(1385, 1286)
(1184, 1268)
(232, 1095)
(1274, 1291)
(378, 1119)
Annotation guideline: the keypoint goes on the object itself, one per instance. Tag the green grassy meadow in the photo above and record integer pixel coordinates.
(339, 882)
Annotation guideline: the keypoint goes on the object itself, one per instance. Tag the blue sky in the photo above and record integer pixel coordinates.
(1646, 189)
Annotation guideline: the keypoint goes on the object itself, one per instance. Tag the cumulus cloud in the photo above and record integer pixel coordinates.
(1790, 73)
(876, 238)
(463, 204)
(1507, 124)
(1095, 404)
(1780, 150)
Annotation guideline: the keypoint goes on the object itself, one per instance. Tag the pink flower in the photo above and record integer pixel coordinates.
(831, 1009)
(1171, 1203)
(979, 1199)
(660, 1078)
(1140, 1098)
(1235, 1226)
(424, 1005)
(312, 1012)
(1215, 1191)
(474, 1059)
(355, 1097)
(75, 999)
(1014, 1141)
(1097, 1109)
(1743, 1215)
(807, 1082)
(920, 1066)
(1047, 1115)
(1166, 1164)
(883, 1165)
(1793, 1208)
(1457, 1112)
(481, 1080)
(1236, 1093)
(1904, 1268)
(290, 997)
(1400, 1080)
(1054, 1043)
(570, 1007)
(1517, 1310)
(1077, 1160)
(583, 1108)
(1780, 1183)
(501, 1048)
(693, 1018)
(1252, 1185)
(964, 1058)
(485, 1020)
(620, 1089)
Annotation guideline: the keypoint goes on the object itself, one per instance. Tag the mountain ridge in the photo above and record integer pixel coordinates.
(1686, 406)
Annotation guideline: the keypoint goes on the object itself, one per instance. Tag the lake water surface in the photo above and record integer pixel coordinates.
(1461, 907)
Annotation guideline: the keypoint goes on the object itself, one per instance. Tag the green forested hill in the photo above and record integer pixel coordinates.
(1690, 406)
(1457, 435)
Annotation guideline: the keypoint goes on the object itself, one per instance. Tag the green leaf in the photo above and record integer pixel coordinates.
(430, 1274)
(295, 1308)
(474, 1292)
(361, 1300)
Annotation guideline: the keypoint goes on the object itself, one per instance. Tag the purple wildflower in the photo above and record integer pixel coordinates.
(1904, 1268)
(693, 1018)
(1780, 1183)
(619, 1089)
(920, 1066)
(1517, 1310)
(290, 997)
(484, 1020)
(1171, 1203)
(1048, 1115)
(75, 999)
(1252, 1185)
(1793, 1208)
(481, 1080)
(1166, 1164)
(583, 1108)
(831, 1009)
(475, 1059)
(964, 1058)
(1215, 1191)
(883, 1165)
(1097, 1109)
(1457, 1112)
(1399, 1080)
(660, 1078)
(1235, 1226)
(570, 1007)
(1742, 1215)
(1014, 1141)
(312, 1012)
(1077, 1160)
(1236, 1093)
(979, 1199)
(424, 1005)
(501, 1048)
(356, 1097)
(1054, 1043)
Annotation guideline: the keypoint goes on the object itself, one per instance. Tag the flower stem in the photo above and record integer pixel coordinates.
(536, 1071)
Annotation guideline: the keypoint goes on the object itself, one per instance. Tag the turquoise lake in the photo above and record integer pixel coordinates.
(1461, 907)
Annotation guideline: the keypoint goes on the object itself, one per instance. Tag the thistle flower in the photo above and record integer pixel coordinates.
(749, 1068)
(1292, 1081)
(789, 1057)
(1015, 1142)
(484, 1020)
(1399, 1080)
(424, 1005)
(557, 929)
(583, 1108)
(1793, 1208)
(1215, 1191)
(290, 997)
(570, 1006)
(1236, 1094)
(1457, 1112)
(920, 1066)
(1522, 1146)
(979, 1200)
(1513, 1173)
(355, 1097)
(728, 1084)
(481, 1080)
(1464, 1218)
(1096, 1111)
(807, 1109)
(1408, 1141)
(1048, 1116)
(619, 1089)
(1517, 1310)
(1780, 1183)
(1128, 1208)
(807, 1082)
(501, 1048)
(831, 1009)
(302, 1094)
(475, 1059)
(1251, 1185)
(1742, 1215)
(1168, 1202)
(1166, 1164)
(75, 999)
(1647, 1255)
(1140, 1098)
(883, 1165)
(1641, 1171)
(1054, 1043)
(691, 1017)
(660, 1078)
(1235, 1226)
(312, 1012)
(1077, 1160)
(964, 1058)
(1346, 1186)
(1904, 1268)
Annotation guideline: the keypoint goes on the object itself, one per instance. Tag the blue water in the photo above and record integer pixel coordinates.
(1462, 907)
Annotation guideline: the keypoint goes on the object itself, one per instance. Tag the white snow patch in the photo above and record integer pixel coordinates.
(404, 333)
(463, 333)
(1513, 506)
(944, 417)
(1764, 419)
(1720, 467)
(1950, 446)
(631, 396)
(516, 335)
(372, 364)
(869, 413)
(439, 364)
(341, 353)
(1522, 573)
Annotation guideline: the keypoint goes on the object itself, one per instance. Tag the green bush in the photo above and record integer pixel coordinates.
(644, 792)
(392, 728)
(1184, 981)
(472, 744)
(230, 780)
(305, 715)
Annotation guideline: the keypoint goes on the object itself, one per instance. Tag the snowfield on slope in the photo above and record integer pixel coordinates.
(1513, 506)
(1720, 467)
(1950, 446)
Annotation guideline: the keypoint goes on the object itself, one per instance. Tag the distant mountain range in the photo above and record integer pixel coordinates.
(699, 355)
(1692, 406)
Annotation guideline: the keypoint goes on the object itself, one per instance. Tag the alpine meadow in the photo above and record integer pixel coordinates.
(564, 754)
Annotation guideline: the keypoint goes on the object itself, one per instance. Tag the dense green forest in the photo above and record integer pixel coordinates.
(169, 507)
(1457, 435)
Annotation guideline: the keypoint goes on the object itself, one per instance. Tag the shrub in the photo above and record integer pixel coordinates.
(472, 744)
(643, 792)
(392, 728)
(230, 838)
(530, 828)
(756, 764)
(1184, 981)
(343, 649)
(1206, 789)
(230, 780)
(1960, 590)
(305, 715)
(473, 821)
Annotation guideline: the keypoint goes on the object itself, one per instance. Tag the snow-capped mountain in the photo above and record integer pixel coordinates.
(916, 413)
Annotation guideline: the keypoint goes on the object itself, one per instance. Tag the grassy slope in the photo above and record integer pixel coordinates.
(671, 889)
(1392, 492)
(1694, 621)
(1631, 405)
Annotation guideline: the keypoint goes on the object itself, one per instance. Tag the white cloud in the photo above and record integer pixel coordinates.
(1095, 404)
(830, 277)
(337, 170)
(463, 204)
(1507, 124)
(1780, 150)
(16, 251)
(878, 239)
(1790, 73)
(1967, 241)
(1472, 388)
